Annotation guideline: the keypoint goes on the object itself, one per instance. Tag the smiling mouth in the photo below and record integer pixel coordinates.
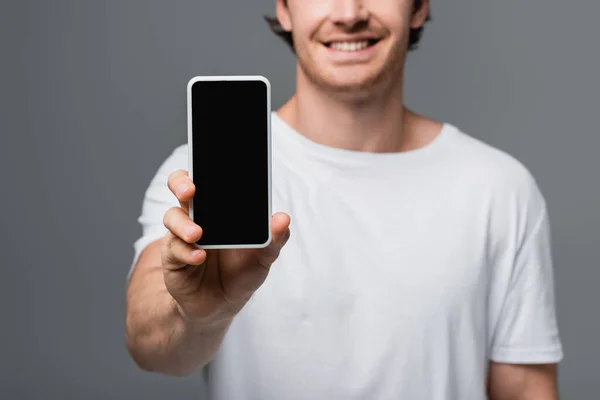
(349, 46)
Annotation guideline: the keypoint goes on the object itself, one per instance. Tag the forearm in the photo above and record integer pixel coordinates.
(159, 338)
(523, 382)
(527, 394)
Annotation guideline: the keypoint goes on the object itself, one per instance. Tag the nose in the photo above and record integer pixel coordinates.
(348, 12)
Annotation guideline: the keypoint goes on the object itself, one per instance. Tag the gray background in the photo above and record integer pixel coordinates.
(92, 100)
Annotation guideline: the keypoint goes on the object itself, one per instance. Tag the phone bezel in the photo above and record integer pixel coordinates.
(191, 155)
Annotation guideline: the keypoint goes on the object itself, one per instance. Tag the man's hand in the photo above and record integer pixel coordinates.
(212, 285)
(522, 382)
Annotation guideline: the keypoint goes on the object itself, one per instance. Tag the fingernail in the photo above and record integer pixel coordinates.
(181, 189)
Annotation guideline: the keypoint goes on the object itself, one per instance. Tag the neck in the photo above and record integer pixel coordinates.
(373, 122)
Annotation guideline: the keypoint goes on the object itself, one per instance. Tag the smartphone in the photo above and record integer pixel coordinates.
(229, 156)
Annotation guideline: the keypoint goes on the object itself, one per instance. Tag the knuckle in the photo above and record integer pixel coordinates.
(171, 242)
(177, 173)
(286, 235)
(167, 237)
(268, 256)
(176, 250)
(282, 240)
(263, 262)
(168, 217)
(170, 254)
(166, 243)
(171, 179)
(176, 178)
(189, 239)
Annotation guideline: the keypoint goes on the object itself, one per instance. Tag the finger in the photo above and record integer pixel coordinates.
(280, 231)
(177, 253)
(178, 222)
(182, 187)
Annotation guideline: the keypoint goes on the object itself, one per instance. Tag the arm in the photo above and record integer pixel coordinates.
(181, 300)
(158, 337)
(526, 346)
(522, 381)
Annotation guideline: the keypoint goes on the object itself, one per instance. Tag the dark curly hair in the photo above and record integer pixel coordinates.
(413, 40)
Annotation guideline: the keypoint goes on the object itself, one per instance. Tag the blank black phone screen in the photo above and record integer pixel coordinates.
(230, 145)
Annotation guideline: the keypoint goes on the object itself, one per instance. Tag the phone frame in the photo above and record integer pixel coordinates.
(191, 155)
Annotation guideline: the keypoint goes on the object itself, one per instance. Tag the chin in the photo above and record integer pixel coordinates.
(369, 78)
(358, 87)
(359, 82)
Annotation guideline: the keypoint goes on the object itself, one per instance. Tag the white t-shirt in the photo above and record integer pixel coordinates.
(404, 275)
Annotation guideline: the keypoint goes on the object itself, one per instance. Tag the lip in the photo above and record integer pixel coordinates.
(355, 38)
(352, 38)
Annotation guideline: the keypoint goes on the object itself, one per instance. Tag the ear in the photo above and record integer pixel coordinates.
(283, 15)
(420, 16)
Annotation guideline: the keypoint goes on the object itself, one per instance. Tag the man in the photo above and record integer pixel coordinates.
(419, 263)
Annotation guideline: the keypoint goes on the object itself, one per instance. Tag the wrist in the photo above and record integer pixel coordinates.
(217, 322)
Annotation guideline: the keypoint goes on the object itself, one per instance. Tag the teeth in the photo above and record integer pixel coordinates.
(350, 46)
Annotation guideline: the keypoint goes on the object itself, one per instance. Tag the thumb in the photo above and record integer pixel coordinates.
(280, 232)
(279, 224)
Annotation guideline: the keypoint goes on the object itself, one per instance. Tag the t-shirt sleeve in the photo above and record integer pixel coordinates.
(527, 330)
(158, 198)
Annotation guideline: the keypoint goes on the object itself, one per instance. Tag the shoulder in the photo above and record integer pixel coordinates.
(490, 168)
(500, 183)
